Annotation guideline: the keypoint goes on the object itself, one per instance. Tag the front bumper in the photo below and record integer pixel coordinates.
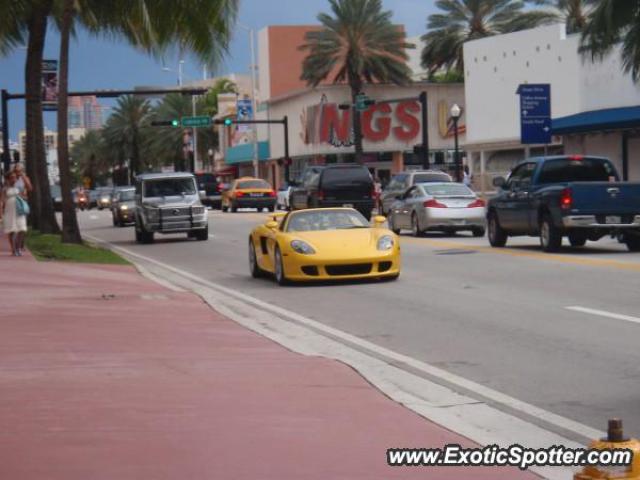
(310, 268)
(453, 218)
(600, 221)
(126, 216)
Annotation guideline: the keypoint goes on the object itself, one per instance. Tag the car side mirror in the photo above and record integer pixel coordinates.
(378, 220)
(499, 182)
(202, 194)
(271, 225)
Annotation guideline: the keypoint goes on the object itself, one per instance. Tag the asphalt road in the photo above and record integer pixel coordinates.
(498, 317)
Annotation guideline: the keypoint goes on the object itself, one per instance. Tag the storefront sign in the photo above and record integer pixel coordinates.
(326, 123)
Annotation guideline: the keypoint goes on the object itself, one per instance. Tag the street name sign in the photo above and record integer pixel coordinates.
(201, 121)
(535, 113)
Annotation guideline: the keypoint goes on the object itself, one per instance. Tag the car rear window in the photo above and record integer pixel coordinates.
(431, 177)
(576, 169)
(448, 190)
(346, 175)
(247, 184)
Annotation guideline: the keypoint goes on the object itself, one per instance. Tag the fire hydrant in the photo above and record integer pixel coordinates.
(615, 439)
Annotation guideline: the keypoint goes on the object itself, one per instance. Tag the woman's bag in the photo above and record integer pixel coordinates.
(22, 207)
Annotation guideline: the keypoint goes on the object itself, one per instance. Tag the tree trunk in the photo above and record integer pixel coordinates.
(43, 217)
(70, 229)
(356, 87)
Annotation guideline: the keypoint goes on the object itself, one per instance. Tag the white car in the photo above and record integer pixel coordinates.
(283, 197)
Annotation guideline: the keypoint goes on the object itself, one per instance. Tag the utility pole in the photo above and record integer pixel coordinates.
(6, 155)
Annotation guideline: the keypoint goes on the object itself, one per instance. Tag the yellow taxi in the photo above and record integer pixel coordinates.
(249, 192)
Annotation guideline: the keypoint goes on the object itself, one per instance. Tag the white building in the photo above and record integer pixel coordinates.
(496, 66)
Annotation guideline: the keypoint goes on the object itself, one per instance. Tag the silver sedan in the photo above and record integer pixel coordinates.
(447, 207)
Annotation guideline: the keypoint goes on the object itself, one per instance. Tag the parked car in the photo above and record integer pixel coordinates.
(448, 207)
(337, 185)
(169, 203)
(208, 183)
(249, 192)
(402, 181)
(575, 196)
(282, 201)
(123, 207)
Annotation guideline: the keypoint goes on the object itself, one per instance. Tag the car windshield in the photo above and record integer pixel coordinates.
(431, 177)
(169, 187)
(126, 195)
(325, 219)
(576, 169)
(447, 190)
(249, 184)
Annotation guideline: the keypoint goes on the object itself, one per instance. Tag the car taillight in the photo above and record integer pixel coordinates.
(239, 194)
(477, 203)
(576, 157)
(272, 193)
(220, 186)
(566, 200)
(433, 203)
(320, 195)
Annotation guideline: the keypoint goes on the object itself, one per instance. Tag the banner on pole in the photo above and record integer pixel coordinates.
(49, 85)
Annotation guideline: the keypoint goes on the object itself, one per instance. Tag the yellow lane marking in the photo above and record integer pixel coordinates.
(553, 257)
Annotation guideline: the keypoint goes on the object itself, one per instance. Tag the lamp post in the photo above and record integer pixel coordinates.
(455, 116)
(254, 85)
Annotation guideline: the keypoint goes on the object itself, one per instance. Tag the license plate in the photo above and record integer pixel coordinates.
(613, 219)
(347, 205)
(255, 194)
(459, 222)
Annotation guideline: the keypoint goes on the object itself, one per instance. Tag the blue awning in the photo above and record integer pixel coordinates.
(597, 120)
(244, 153)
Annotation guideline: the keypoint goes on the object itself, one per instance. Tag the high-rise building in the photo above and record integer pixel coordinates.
(85, 112)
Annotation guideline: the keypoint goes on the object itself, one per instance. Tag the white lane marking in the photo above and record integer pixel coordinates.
(211, 235)
(604, 313)
(392, 356)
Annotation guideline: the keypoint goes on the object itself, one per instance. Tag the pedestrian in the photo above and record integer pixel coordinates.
(466, 177)
(14, 210)
(24, 186)
(377, 193)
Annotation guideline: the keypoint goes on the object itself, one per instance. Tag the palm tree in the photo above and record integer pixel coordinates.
(127, 129)
(357, 44)
(464, 20)
(166, 143)
(612, 23)
(90, 156)
(574, 13)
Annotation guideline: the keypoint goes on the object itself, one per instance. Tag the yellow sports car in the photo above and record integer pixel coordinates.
(323, 244)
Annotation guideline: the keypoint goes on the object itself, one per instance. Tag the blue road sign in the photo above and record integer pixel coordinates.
(535, 113)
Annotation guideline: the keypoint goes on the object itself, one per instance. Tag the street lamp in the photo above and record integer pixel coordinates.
(456, 111)
(254, 85)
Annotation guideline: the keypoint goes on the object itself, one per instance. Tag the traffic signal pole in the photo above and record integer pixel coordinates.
(6, 155)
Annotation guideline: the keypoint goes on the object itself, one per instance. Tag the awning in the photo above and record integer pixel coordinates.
(244, 153)
(597, 120)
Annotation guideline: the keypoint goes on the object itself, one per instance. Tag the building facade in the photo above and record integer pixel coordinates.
(85, 112)
(581, 90)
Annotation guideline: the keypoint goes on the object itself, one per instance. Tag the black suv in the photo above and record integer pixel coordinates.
(213, 196)
(341, 185)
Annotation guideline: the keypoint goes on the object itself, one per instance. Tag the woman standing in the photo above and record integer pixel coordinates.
(15, 225)
(23, 184)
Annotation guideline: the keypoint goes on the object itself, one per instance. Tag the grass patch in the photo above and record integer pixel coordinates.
(50, 247)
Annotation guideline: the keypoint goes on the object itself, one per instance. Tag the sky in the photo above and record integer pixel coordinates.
(99, 63)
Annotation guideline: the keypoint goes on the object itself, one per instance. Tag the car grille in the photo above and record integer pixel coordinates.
(384, 266)
(169, 212)
(310, 270)
(353, 269)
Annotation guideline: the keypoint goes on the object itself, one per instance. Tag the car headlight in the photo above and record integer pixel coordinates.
(385, 243)
(124, 207)
(302, 247)
(152, 214)
(197, 210)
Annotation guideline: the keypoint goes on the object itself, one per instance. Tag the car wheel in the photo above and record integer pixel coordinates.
(142, 236)
(202, 235)
(256, 271)
(113, 218)
(632, 242)
(278, 268)
(392, 225)
(415, 225)
(272, 208)
(478, 232)
(550, 236)
(497, 236)
(577, 239)
(234, 207)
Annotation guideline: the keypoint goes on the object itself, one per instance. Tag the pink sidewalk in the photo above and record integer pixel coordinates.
(106, 375)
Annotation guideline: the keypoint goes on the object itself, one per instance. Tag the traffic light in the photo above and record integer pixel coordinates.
(228, 122)
(166, 123)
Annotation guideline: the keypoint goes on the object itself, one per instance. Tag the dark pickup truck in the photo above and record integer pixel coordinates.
(575, 196)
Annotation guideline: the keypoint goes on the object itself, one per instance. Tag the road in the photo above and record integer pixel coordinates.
(557, 331)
